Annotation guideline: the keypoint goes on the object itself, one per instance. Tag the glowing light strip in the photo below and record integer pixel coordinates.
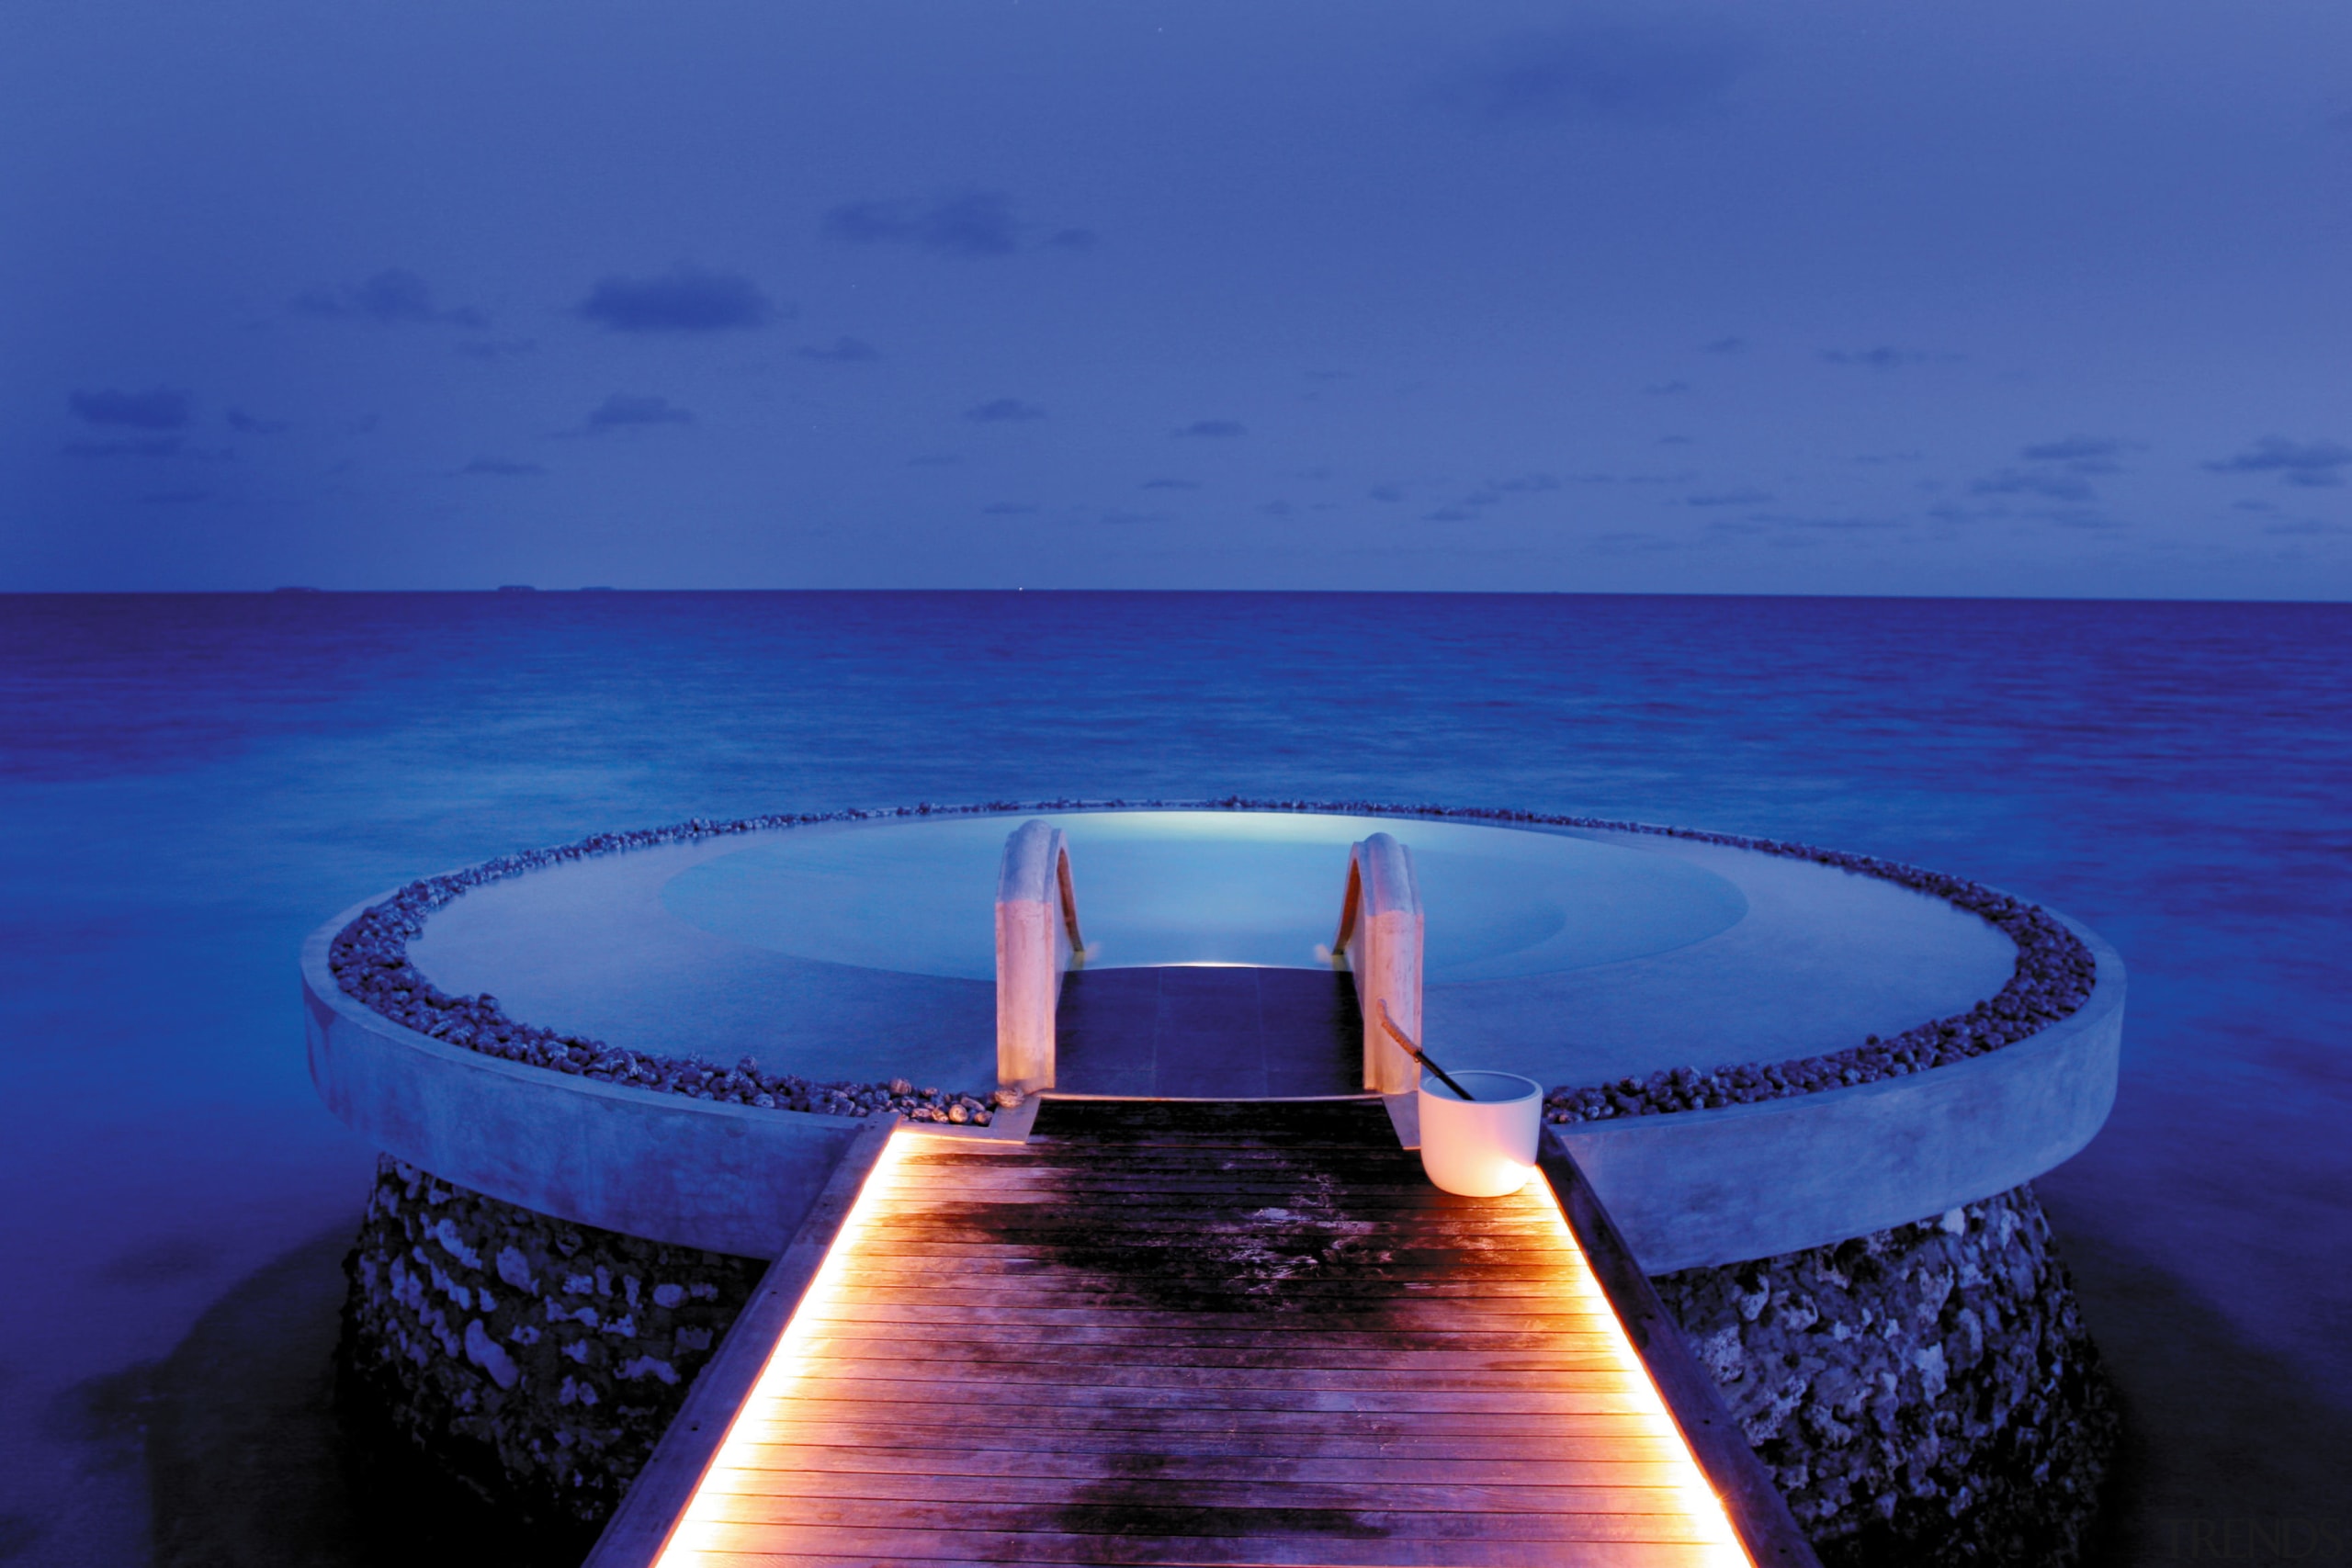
(785, 1364)
(1700, 1506)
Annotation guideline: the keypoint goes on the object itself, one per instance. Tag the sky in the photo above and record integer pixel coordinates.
(2011, 297)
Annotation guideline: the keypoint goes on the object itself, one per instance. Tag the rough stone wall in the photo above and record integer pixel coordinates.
(1924, 1396)
(535, 1360)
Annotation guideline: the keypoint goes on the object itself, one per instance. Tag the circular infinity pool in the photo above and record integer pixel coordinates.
(1166, 887)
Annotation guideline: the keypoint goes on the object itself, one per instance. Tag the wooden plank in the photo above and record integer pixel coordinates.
(1236, 1330)
(1408, 1496)
(1619, 1397)
(1392, 1263)
(1594, 1436)
(1306, 1289)
(1614, 1556)
(948, 1559)
(1654, 1461)
(1045, 1384)
(982, 1358)
(1148, 1261)
(1590, 1556)
(755, 1544)
(1300, 1317)
(1115, 1510)
(950, 1373)
(651, 1508)
(1372, 1467)
(858, 1420)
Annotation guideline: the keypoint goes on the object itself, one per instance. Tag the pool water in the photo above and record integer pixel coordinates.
(1193, 887)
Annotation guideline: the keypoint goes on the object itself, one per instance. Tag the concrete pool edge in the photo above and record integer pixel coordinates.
(2052, 975)
(1703, 1188)
(611, 1154)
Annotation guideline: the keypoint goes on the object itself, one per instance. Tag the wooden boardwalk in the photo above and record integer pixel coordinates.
(1199, 1334)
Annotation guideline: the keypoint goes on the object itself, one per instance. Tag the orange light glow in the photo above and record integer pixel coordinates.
(1700, 1503)
(786, 1364)
(707, 1534)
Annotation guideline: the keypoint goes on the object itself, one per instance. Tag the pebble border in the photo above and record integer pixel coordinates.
(2053, 976)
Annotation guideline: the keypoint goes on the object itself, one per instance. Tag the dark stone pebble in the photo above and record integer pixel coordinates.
(2052, 979)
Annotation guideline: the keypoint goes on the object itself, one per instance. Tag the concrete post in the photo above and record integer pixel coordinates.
(1380, 930)
(1036, 933)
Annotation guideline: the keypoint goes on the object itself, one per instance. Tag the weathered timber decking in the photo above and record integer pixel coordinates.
(1199, 1334)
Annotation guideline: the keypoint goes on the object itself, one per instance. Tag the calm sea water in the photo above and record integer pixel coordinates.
(188, 785)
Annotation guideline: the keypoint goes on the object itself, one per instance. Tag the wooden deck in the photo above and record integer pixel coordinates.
(1199, 1334)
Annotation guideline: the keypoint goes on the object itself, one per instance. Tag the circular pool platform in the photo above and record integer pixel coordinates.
(864, 950)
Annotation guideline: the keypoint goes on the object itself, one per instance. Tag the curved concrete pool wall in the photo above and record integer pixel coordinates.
(1702, 1188)
(1699, 1188)
(730, 1178)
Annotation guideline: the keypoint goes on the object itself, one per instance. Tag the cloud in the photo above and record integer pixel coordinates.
(244, 424)
(685, 299)
(1120, 518)
(1002, 411)
(1825, 524)
(144, 446)
(1007, 509)
(1599, 72)
(1494, 490)
(840, 351)
(160, 409)
(2070, 450)
(1449, 514)
(1725, 346)
(1171, 484)
(2317, 463)
(502, 467)
(2042, 482)
(1667, 388)
(393, 296)
(1071, 240)
(174, 497)
(2079, 454)
(1729, 498)
(1880, 358)
(625, 411)
(1277, 509)
(1214, 429)
(973, 224)
(1387, 493)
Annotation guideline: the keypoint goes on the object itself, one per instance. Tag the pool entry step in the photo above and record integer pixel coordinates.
(1201, 1031)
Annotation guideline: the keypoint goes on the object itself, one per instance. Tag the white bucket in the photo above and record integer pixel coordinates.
(1483, 1147)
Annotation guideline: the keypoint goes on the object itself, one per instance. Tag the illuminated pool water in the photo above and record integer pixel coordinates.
(1163, 887)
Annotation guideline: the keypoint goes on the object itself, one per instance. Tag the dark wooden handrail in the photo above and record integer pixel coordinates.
(1758, 1513)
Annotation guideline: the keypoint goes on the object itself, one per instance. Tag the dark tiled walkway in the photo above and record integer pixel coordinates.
(1209, 1033)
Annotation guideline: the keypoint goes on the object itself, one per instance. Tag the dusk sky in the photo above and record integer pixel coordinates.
(1819, 297)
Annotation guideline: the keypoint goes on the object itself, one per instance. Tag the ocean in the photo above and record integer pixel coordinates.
(188, 785)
